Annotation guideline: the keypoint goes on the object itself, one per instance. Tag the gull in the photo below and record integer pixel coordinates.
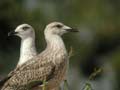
(49, 66)
(27, 49)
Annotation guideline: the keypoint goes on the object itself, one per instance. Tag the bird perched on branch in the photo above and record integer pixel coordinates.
(49, 66)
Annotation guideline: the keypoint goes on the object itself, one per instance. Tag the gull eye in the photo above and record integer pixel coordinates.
(59, 26)
(25, 28)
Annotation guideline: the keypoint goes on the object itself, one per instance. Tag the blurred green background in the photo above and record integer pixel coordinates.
(97, 45)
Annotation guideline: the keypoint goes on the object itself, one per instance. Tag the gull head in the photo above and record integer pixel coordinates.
(58, 28)
(23, 31)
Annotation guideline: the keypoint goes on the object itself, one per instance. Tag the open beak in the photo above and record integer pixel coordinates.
(72, 30)
(12, 33)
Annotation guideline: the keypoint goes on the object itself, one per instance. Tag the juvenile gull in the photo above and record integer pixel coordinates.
(27, 49)
(50, 65)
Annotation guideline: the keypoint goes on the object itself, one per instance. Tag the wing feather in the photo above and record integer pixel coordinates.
(31, 73)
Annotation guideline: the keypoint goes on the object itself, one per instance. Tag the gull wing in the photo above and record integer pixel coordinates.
(31, 74)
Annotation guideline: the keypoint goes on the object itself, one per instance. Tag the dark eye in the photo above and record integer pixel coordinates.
(25, 28)
(59, 26)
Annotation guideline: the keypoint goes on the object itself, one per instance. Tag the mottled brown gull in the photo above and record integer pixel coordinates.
(50, 65)
(27, 49)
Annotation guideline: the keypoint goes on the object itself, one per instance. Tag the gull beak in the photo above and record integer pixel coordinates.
(72, 30)
(12, 33)
(69, 29)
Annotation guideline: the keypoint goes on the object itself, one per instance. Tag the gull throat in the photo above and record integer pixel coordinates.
(27, 50)
(56, 48)
(55, 42)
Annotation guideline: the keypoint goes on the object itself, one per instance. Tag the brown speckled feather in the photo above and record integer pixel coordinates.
(50, 65)
(34, 72)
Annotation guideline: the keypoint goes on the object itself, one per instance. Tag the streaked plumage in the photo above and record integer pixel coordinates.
(50, 65)
(27, 49)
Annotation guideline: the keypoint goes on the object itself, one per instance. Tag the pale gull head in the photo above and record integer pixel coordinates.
(58, 28)
(23, 31)
(27, 48)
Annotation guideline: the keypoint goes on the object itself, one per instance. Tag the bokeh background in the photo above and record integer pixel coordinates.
(97, 45)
